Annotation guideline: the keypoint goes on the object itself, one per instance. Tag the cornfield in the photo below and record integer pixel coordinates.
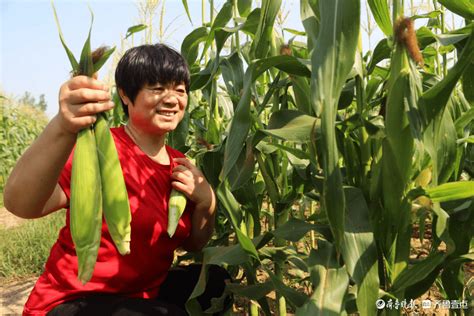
(20, 125)
(328, 160)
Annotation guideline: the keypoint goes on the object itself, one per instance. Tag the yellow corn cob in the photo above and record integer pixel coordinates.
(176, 206)
(114, 192)
(86, 204)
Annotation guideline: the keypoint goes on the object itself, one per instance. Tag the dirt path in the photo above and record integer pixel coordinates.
(8, 220)
(13, 295)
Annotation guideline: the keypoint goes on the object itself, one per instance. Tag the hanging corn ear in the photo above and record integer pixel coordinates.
(86, 204)
(88, 174)
(114, 193)
(176, 206)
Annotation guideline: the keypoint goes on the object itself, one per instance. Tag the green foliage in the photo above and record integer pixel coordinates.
(317, 121)
(25, 248)
(20, 125)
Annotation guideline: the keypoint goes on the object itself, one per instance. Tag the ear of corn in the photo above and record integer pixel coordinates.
(97, 181)
(114, 192)
(85, 203)
(176, 206)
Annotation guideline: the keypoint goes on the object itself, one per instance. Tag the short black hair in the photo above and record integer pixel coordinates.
(147, 65)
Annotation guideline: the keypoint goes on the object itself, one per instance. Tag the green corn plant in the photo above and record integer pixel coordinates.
(20, 125)
(371, 145)
(97, 183)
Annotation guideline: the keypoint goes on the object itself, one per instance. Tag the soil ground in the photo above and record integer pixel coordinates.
(13, 292)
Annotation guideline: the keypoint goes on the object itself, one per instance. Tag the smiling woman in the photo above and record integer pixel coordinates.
(151, 170)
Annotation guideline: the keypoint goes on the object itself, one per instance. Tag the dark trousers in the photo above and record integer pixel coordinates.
(174, 292)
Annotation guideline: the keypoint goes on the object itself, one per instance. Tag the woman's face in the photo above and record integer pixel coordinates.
(158, 108)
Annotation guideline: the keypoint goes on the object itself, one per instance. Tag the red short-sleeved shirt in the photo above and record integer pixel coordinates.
(138, 274)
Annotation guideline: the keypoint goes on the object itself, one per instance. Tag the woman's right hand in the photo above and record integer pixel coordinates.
(80, 99)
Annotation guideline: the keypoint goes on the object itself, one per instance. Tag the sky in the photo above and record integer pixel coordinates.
(31, 55)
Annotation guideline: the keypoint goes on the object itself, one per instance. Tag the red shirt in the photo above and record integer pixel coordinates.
(138, 274)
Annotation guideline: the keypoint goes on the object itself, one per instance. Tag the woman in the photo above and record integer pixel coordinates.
(153, 84)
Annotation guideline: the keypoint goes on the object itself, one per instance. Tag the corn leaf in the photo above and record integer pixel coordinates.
(295, 229)
(233, 74)
(269, 177)
(70, 55)
(243, 170)
(186, 8)
(332, 60)
(221, 20)
(434, 100)
(381, 52)
(135, 29)
(438, 140)
(417, 272)
(451, 191)
(232, 207)
(330, 281)
(464, 120)
(310, 17)
(468, 84)
(430, 15)
(263, 37)
(244, 7)
(360, 252)
(293, 296)
(381, 15)
(302, 92)
(86, 67)
(290, 125)
(464, 8)
(249, 26)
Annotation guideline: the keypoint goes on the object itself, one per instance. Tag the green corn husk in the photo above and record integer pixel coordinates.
(114, 192)
(176, 206)
(97, 182)
(86, 204)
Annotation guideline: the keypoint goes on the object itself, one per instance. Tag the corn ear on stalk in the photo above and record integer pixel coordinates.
(176, 206)
(114, 192)
(86, 204)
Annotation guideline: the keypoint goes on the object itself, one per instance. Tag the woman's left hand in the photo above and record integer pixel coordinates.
(187, 178)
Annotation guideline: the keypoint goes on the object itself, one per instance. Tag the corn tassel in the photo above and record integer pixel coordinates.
(86, 204)
(176, 206)
(114, 192)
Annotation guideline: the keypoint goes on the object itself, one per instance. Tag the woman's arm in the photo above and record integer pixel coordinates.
(191, 181)
(31, 190)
